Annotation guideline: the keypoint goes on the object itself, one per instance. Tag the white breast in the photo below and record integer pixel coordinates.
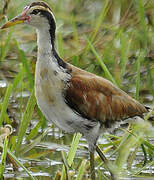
(49, 86)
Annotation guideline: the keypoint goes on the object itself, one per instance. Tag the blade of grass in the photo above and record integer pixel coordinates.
(24, 60)
(72, 151)
(3, 158)
(25, 121)
(12, 143)
(75, 31)
(142, 22)
(145, 153)
(6, 47)
(103, 66)
(146, 143)
(65, 167)
(116, 13)
(34, 131)
(5, 103)
(131, 158)
(144, 167)
(20, 164)
(132, 139)
(28, 147)
(63, 175)
(81, 170)
(138, 77)
(150, 79)
(126, 144)
(71, 154)
(125, 46)
(19, 77)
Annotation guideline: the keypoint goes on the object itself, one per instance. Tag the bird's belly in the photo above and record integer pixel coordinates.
(51, 102)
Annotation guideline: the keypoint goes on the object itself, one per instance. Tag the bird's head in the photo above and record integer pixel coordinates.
(37, 14)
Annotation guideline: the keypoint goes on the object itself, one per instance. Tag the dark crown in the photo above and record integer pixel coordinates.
(41, 4)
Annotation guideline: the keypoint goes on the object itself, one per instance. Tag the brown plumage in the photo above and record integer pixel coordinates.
(98, 99)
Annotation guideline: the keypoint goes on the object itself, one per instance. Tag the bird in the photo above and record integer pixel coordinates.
(73, 99)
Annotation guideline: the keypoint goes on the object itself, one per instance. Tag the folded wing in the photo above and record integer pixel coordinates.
(96, 98)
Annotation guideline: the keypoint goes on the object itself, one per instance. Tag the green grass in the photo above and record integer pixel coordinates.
(112, 39)
(5, 103)
(3, 158)
(25, 121)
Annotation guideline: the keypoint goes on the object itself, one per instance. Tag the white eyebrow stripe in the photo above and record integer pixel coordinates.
(43, 8)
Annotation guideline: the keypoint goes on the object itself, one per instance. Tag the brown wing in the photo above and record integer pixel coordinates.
(94, 97)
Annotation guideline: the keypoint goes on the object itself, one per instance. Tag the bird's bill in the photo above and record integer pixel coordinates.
(21, 18)
(12, 22)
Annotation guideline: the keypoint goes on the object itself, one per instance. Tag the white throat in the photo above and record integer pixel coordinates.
(44, 41)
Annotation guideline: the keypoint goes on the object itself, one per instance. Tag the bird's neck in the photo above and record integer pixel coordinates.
(45, 42)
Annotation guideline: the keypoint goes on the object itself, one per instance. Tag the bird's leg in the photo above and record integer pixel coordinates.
(106, 162)
(92, 166)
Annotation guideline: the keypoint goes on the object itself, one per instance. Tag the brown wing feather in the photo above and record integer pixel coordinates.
(97, 98)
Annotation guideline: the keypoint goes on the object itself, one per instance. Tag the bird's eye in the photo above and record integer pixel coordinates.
(35, 11)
